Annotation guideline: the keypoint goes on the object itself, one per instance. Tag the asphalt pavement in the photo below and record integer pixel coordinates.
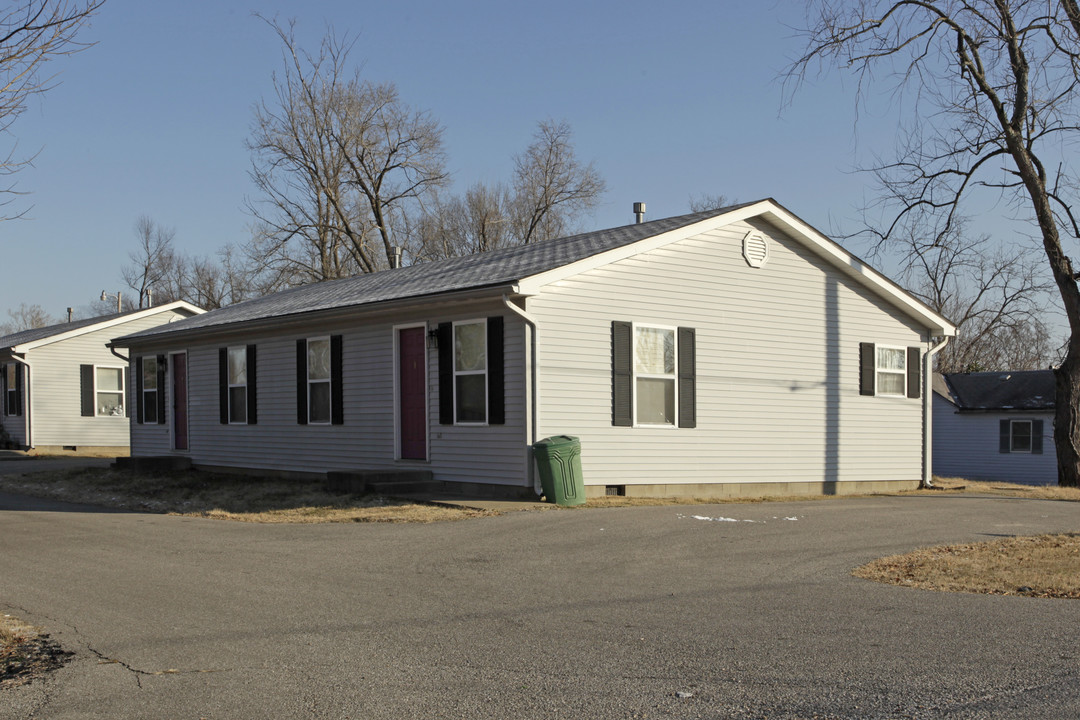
(703, 611)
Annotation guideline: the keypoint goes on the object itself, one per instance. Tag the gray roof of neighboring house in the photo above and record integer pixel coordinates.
(489, 269)
(25, 336)
(997, 391)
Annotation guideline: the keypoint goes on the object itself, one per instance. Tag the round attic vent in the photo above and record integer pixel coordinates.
(755, 248)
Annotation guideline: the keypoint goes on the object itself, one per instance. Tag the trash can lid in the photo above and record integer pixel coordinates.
(557, 440)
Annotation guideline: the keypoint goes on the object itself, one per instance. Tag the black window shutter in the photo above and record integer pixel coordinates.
(622, 393)
(301, 382)
(138, 390)
(496, 372)
(914, 372)
(3, 390)
(446, 373)
(687, 378)
(86, 389)
(127, 395)
(867, 368)
(161, 389)
(337, 394)
(1004, 439)
(252, 410)
(1037, 436)
(20, 382)
(223, 386)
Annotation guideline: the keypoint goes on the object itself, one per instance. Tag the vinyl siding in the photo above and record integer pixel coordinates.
(55, 387)
(366, 440)
(777, 367)
(966, 445)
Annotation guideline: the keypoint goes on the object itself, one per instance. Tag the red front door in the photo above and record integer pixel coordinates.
(412, 391)
(179, 401)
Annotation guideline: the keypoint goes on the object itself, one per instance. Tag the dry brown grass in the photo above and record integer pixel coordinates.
(26, 653)
(13, 632)
(1039, 566)
(979, 487)
(224, 496)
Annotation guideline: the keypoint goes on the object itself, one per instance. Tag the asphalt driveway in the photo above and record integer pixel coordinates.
(705, 611)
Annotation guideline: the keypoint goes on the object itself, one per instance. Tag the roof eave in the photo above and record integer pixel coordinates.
(301, 320)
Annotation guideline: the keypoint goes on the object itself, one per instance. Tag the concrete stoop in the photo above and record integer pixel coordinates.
(162, 463)
(383, 482)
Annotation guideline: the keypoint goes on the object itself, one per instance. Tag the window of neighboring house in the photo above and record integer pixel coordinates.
(318, 381)
(891, 372)
(109, 391)
(238, 384)
(1020, 436)
(654, 375)
(470, 372)
(150, 389)
(11, 389)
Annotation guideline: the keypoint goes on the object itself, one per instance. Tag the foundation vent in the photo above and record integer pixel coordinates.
(615, 490)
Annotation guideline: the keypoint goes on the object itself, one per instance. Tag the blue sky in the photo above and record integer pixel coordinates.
(669, 103)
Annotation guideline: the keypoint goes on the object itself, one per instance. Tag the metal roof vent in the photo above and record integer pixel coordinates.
(639, 212)
(755, 248)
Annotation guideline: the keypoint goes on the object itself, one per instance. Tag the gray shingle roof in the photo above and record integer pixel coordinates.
(1016, 390)
(490, 269)
(25, 336)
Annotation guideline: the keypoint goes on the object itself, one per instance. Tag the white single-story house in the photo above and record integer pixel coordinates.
(733, 351)
(995, 426)
(63, 388)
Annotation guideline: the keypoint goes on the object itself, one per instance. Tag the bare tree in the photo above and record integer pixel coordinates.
(32, 32)
(701, 203)
(551, 186)
(479, 221)
(26, 317)
(340, 162)
(998, 80)
(551, 189)
(213, 283)
(153, 263)
(995, 296)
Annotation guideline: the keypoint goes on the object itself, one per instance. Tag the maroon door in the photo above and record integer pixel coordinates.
(412, 392)
(179, 398)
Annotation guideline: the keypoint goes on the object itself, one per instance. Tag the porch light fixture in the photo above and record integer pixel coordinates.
(433, 339)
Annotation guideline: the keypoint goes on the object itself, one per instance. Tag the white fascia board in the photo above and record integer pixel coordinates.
(113, 322)
(800, 231)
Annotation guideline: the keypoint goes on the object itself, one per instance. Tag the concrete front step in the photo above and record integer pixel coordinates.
(386, 482)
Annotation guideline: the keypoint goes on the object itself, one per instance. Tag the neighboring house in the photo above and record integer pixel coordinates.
(995, 426)
(734, 351)
(63, 388)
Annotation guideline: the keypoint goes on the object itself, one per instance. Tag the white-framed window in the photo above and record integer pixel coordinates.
(890, 375)
(11, 389)
(150, 389)
(470, 372)
(1020, 436)
(655, 364)
(318, 380)
(109, 391)
(238, 381)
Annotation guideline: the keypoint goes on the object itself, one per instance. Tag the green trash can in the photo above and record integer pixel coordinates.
(558, 460)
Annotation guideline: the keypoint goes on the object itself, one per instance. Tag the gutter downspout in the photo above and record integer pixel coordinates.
(534, 383)
(928, 410)
(27, 414)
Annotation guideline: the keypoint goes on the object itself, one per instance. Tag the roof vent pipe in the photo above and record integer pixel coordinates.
(639, 212)
(70, 311)
(395, 259)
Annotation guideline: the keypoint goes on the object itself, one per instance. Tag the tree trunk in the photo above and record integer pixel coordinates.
(1067, 418)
